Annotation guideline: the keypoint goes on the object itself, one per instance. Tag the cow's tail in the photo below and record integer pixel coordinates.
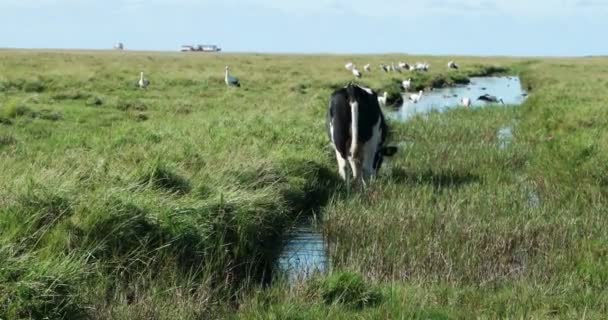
(354, 120)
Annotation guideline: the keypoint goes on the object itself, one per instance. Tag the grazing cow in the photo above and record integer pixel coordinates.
(358, 131)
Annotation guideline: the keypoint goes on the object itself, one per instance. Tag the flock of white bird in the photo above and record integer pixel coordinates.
(405, 84)
(232, 81)
(399, 67)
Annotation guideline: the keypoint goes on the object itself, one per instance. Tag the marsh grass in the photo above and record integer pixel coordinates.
(170, 202)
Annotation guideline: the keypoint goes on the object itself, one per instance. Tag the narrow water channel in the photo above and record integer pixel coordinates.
(304, 252)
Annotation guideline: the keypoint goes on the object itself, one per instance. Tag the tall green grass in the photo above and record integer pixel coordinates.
(170, 202)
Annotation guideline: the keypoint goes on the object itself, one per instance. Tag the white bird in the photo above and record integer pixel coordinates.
(356, 72)
(393, 68)
(384, 67)
(403, 65)
(406, 84)
(349, 66)
(452, 65)
(142, 83)
(465, 102)
(367, 67)
(382, 99)
(422, 66)
(416, 97)
(230, 80)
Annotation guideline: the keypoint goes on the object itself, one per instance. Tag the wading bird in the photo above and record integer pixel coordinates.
(230, 80)
(143, 82)
(356, 72)
(382, 99)
(422, 67)
(489, 98)
(416, 97)
(406, 84)
(465, 102)
(452, 65)
(396, 68)
(367, 67)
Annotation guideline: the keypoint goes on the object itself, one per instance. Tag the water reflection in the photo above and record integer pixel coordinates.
(304, 253)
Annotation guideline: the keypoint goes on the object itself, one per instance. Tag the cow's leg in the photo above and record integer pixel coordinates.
(355, 165)
(368, 161)
(341, 165)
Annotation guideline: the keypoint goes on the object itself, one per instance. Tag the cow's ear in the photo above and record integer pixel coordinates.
(389, 151)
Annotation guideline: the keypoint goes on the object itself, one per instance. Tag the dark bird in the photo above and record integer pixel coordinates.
(489, 98)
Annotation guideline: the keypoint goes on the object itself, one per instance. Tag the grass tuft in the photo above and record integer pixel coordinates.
(162, 177)
(34, 86)
(488, 71)
(94, 101)
(14, 109)
(7, 140)
(34, 288)
(347, 288)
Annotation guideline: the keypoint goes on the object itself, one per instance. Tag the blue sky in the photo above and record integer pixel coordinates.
(463, 27)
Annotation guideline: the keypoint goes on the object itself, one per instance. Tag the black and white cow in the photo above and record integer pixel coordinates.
(358, 131)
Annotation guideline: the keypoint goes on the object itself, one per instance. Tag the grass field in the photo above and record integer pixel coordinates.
(169, 203)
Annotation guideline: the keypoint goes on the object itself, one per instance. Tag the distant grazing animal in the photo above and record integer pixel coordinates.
(452, 65)
(406, 84)
(358, 132)
(367, 67)
(230, 80)
(356, 72)
(382, 99)
(415, 98)
(465, 102)
(349, 66)
(489, 98)
(143, 82)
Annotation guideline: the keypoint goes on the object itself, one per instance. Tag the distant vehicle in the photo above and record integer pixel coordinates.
(201, 48)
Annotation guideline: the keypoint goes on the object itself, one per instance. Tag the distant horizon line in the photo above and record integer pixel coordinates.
(300, 53)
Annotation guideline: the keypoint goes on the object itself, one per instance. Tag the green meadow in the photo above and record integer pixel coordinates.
(171, 202)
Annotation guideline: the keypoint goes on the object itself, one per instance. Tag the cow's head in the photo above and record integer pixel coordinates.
(383, 151)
